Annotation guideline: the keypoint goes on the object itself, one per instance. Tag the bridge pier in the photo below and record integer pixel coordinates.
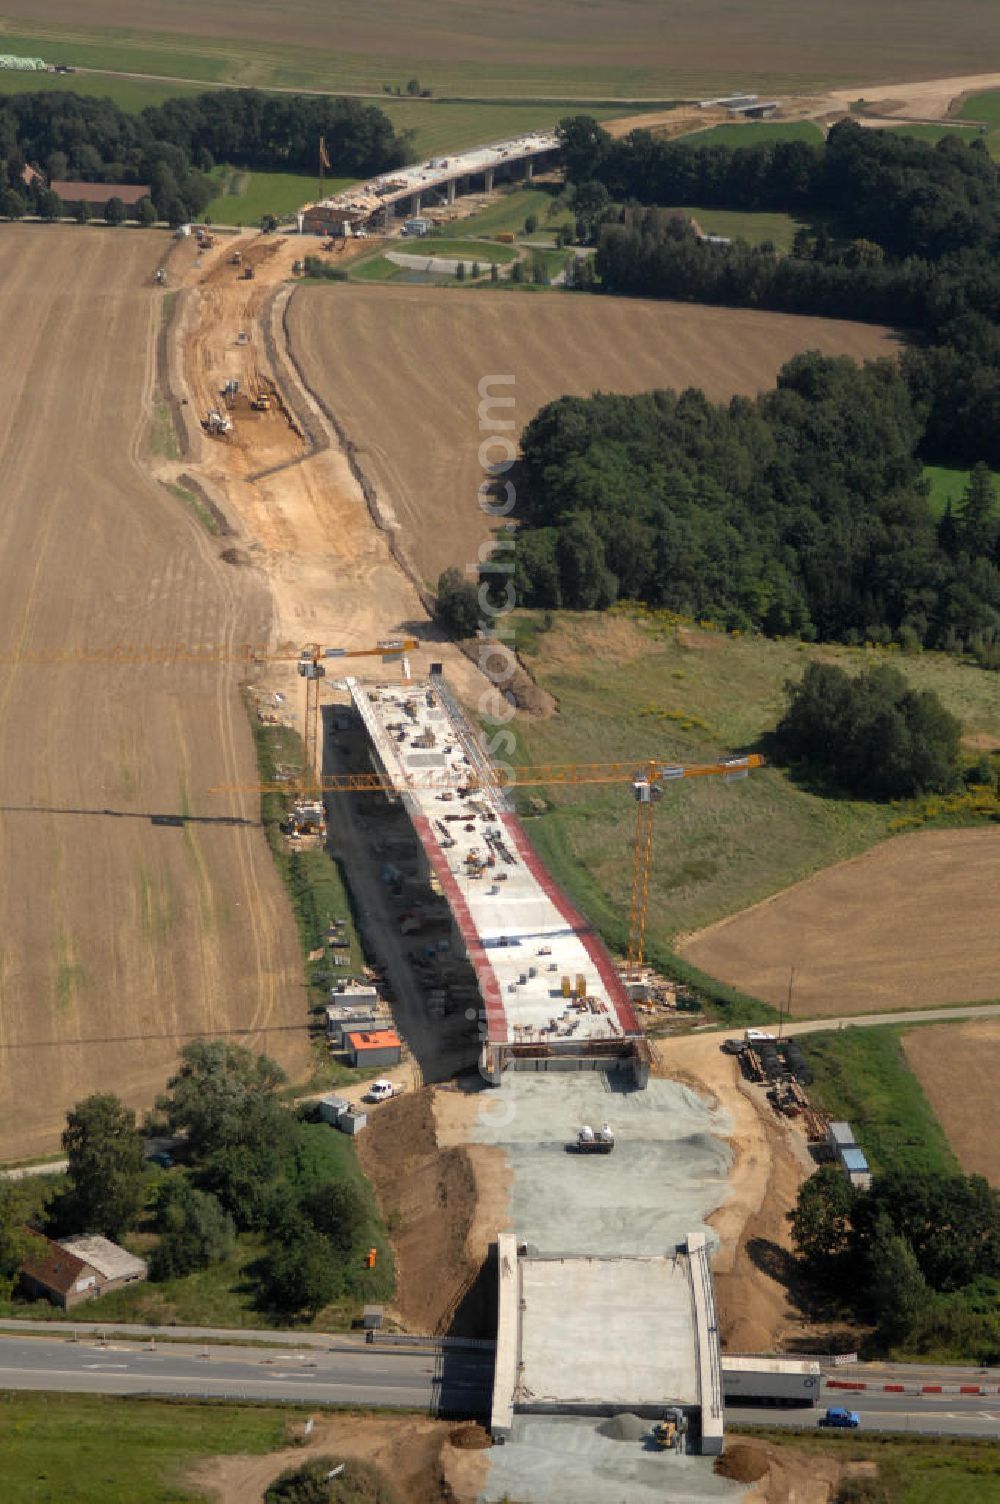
(452, 184)
(489, 179)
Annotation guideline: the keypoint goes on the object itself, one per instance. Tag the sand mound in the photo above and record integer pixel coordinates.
(470, 1438)
(624, 1428)
(742, 1463)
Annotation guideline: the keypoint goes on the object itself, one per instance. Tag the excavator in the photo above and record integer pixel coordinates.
(670, 1433)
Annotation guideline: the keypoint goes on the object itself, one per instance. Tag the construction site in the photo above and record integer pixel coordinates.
(539, 1111)
(371, 207)
(544, 983)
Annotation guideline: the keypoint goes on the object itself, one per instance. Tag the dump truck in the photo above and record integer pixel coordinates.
(770, 1381)
(261, 403)
(589, 1142)
(669, 1434)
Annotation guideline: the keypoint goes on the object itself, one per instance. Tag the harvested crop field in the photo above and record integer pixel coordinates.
(136, 909)
(400, 369)
(958, 1066)
(903, 926)
(567, 47)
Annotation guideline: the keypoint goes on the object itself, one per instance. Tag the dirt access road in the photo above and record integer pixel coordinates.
(282, 478)
(119, 934)
(415, 1454)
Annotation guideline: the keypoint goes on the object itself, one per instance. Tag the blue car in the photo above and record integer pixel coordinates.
(848, 1419)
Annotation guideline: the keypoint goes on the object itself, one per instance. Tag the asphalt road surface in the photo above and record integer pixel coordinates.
(456, 1382)
(920, 1414)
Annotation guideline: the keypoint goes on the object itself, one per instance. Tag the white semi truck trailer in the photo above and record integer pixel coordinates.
(770, 1381)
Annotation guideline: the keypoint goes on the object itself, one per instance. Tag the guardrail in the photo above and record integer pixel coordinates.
(405, 1339)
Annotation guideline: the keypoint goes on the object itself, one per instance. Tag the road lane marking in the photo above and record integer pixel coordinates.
(201, 1378)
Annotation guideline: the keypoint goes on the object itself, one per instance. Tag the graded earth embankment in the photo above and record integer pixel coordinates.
(401, 369)
(136, 908)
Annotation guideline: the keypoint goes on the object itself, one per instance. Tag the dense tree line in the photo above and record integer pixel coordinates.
(872, 735)
(909, 197)
(909, 234)
(918, 1254)
(246, 1163)
(801, 512)
(175, 145)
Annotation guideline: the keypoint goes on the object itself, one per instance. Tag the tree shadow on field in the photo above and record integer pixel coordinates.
(774, 1261)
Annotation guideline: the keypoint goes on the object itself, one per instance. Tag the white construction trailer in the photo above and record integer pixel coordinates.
(770, 1381)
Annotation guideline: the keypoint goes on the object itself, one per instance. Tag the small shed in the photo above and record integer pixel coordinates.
(79, 1268)
(53, 1274)
(855, 1167)
(840, 1136)
(115, 1265)
(355, 1008)
(375, 1047)
(332, 1109)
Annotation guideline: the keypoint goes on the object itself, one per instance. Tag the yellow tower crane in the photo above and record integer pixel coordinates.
(312, 661)
(648, 779)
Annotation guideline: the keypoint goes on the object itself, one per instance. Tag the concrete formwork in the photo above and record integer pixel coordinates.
(551, 996)
(586, 1335)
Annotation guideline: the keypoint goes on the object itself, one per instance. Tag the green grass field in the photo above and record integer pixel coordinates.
(567, 49)
(436, 125)
(626, 690)
(467, 249)
(248, 196)
(862, 1077)
(745, 224)
(509, 212)
(755, 132)
(985, 107)
(912, 1469)
(451, 125)
(936, 132)
(947, 485)
(92, 1449)
(131, 94)
(544, 74)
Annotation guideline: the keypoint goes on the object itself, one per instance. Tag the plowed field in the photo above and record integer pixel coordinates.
(907, 925)
(400, 368)
(563, 49)
(958, 1066)
(119, 934)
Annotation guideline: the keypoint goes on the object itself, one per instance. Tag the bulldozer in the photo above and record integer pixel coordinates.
(670, 1433)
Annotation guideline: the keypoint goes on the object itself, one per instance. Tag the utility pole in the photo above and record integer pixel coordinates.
(787, 1012)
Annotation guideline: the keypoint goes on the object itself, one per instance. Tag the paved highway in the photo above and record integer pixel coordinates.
(425, 1379)
(921, 1414)
(456, 1381)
